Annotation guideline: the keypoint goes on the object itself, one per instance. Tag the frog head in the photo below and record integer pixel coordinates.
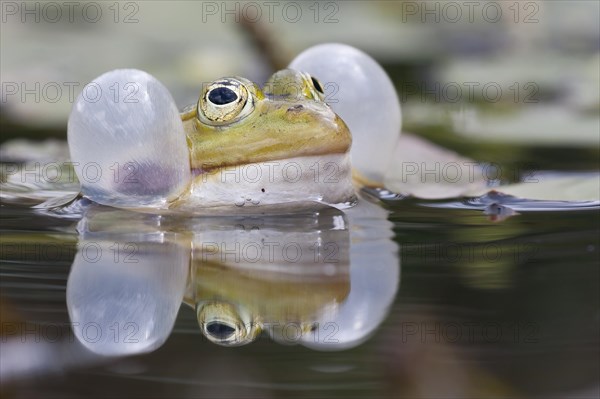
(279, 144)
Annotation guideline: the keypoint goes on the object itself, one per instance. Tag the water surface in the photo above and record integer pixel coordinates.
(504, 308)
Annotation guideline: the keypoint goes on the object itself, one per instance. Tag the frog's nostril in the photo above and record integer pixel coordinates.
(295, 108)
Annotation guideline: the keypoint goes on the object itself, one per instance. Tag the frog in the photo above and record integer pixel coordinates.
(284, 145)
(281, 144)
(238, 146)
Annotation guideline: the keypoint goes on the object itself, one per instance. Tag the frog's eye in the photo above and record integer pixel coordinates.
(224, 101)
(315, 88)
(225, 324)
(317, 85)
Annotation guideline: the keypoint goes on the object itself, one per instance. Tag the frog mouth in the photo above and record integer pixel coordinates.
(286, 131)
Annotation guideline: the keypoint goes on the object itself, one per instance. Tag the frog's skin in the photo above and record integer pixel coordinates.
(279, 145)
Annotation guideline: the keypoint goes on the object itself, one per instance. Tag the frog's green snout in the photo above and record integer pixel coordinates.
(237, 123)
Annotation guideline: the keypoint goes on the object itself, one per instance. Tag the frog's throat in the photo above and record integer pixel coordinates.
(323, 179)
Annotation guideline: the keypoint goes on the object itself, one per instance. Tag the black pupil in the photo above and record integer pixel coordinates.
(317, 85)
(220, 330)
(222, 95)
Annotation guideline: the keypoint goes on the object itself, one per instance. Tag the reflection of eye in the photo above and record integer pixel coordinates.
(317, 84)
(226, 324)
(224, 101)
(220, 331)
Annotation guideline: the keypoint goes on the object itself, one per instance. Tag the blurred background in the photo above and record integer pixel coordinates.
(515, 83)
(489, 79)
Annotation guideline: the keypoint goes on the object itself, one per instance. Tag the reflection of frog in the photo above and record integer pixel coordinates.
(233, 305)
(323, 279)
(261, 276)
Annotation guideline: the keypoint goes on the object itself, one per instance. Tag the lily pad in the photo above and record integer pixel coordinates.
(551, 187)
(425, 170)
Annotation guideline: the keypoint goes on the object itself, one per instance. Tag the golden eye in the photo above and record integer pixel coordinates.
(317, 85)
(224, 101)
(315, 88)
(225, 324)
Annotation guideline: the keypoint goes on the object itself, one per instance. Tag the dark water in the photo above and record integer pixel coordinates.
(481, 306)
